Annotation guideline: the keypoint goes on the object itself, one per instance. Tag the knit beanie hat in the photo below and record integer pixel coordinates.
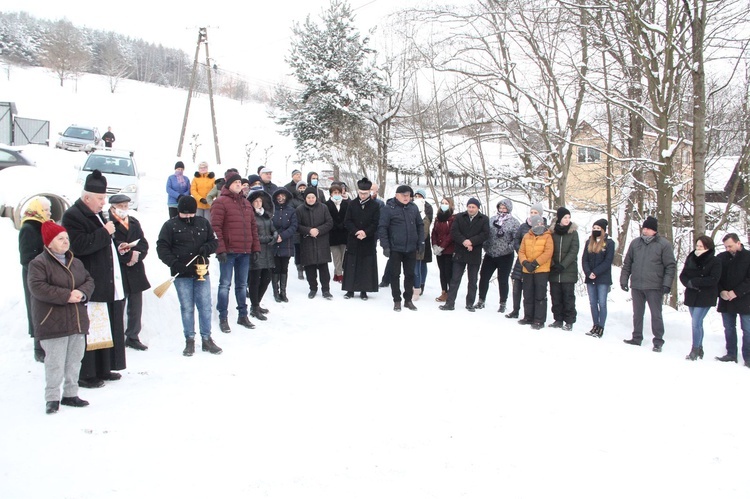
(421, 192)
(403, 189)
(474, 201)
(311, 190)
(602, 223)
(651, 223)
(561, 212)
(187, 205)
(179, 164)
(50, 230)
(96, 183)
(538, 207)
(231, 178)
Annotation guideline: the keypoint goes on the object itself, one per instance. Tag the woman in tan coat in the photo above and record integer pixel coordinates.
(535, 255)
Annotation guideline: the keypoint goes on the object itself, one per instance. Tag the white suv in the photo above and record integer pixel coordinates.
(79, 138)
(120, 170)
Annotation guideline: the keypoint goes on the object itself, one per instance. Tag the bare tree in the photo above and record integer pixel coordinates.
(65, 53)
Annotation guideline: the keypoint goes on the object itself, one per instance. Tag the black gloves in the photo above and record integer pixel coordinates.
(690, 285)
(177, 268)
(420, 252)
(203, 200)
(529, 266)
(557, 268)
(387, 252)
(222, 257)
(624, 287)
(666, 290)
(254, 256)
(203, 251)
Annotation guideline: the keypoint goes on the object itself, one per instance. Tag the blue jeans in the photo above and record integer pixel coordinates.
(420, 273)
(598, 302)
(730, 333)
(698, 314)
(239, 263)
(193, 294)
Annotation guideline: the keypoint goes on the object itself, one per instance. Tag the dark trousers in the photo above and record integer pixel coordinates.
(325, 276)
(27, 297)
(517, 292)
(407, 260)
(457, 275)
(257, 283)
(133, 312)
(387, 272)
(445, 264)
(563, 296)
(535, 296)
(654, 299)
(281, 264)
(501, 264)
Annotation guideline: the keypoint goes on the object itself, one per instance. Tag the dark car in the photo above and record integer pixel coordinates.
(13, 157)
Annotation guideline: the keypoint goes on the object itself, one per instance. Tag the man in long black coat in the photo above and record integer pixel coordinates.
(91, 242)
(132, 248)
(360, 260)
(469, 230)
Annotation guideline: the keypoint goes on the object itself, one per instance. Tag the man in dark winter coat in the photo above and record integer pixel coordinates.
(734, 297)
(314, 223)
(401, 234)
(183, 240)
(132, 248)
(650, 267)
(360, 261)
(233, 221)
(265, 180)
(91, 241)
(296, 178)
(469, 230)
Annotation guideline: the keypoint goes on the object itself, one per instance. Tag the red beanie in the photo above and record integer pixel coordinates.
(50, 230)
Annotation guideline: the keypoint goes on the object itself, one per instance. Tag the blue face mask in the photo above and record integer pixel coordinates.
(314, 182)
(336, 197)
(445, 207)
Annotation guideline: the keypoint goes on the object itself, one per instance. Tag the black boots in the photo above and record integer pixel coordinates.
(596, 331)
(479, 305)
(300, 273)
(224, 326)
(52, 407)
(257, 313)
(244, 321)
(135, 344)
(727, 358)
(695, 353)
(189, 348)
(282, 287)
(502, 307)
(208, 345)
(74, 402)
(275, 287)
(557, 324)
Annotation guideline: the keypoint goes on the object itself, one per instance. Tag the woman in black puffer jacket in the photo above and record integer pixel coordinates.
(260, 269)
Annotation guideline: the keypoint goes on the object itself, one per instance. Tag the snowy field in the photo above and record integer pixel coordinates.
(348, 399)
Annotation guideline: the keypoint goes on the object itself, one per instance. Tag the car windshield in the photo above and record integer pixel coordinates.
(110, 165)
(79, 133)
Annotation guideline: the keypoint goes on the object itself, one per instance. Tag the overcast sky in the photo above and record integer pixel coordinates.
(248, 38)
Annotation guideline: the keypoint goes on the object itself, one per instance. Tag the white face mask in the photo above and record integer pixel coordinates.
(121, 213)
(420, 204)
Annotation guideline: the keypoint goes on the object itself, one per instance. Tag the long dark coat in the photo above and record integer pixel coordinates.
(338, 234)
(134, 278)
(314, 250)
(266, 232)
(700, 276)
(285, 223)
(735, 276)
(476, 230)
(360, 260)
(567, 244)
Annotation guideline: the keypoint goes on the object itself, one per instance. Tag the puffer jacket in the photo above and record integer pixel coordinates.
(233, 221)
(565, 258)
(175, 189)
(266, 231)
(475, 230)
(537, 248)
(50, 283)
(501, 239)
(649, 265)
(600, 264)
(400, 227)
(523, 229)
(285, 223)
(201, 186)
(180, 242)
(441, 232)
(735, 276)
(314, 250)
(700, 276)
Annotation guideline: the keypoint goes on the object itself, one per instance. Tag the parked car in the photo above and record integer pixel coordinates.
(10, 156)
(79, 138)
(119, 168)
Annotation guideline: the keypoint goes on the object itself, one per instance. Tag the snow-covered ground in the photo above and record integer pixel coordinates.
(348, 399)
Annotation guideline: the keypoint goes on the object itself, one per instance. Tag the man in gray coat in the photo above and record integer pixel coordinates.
(650, 267)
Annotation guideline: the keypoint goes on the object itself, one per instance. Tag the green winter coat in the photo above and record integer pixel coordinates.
(565, 255)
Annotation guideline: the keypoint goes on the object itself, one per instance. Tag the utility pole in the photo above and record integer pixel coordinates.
(202, 39)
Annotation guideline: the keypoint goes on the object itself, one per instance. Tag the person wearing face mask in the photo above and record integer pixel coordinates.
(700, 275)
(312, 181)
(420, 269)
(181, 240)
(734, 297)
(132, 248)
(649, 266)
(516, 275)
(498, 254)
(337, 238)
(535, 254)
(442, 245)
(564, 271)
(177, 185)
(30, 244)
(598, 255)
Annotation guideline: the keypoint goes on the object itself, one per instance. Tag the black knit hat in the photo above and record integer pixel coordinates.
(651, 223)
(403, 189)
(474, 201)
(187, 205)
(561, 212)
(232, 178)
(179, 164)
(602, 223)
(96, 183)
(311, 190)
(364, 184)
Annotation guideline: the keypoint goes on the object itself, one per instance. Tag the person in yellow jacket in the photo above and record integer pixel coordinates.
(535, 255)
(199, 189)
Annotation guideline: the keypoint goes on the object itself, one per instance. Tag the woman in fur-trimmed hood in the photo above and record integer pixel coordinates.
(564, 271)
